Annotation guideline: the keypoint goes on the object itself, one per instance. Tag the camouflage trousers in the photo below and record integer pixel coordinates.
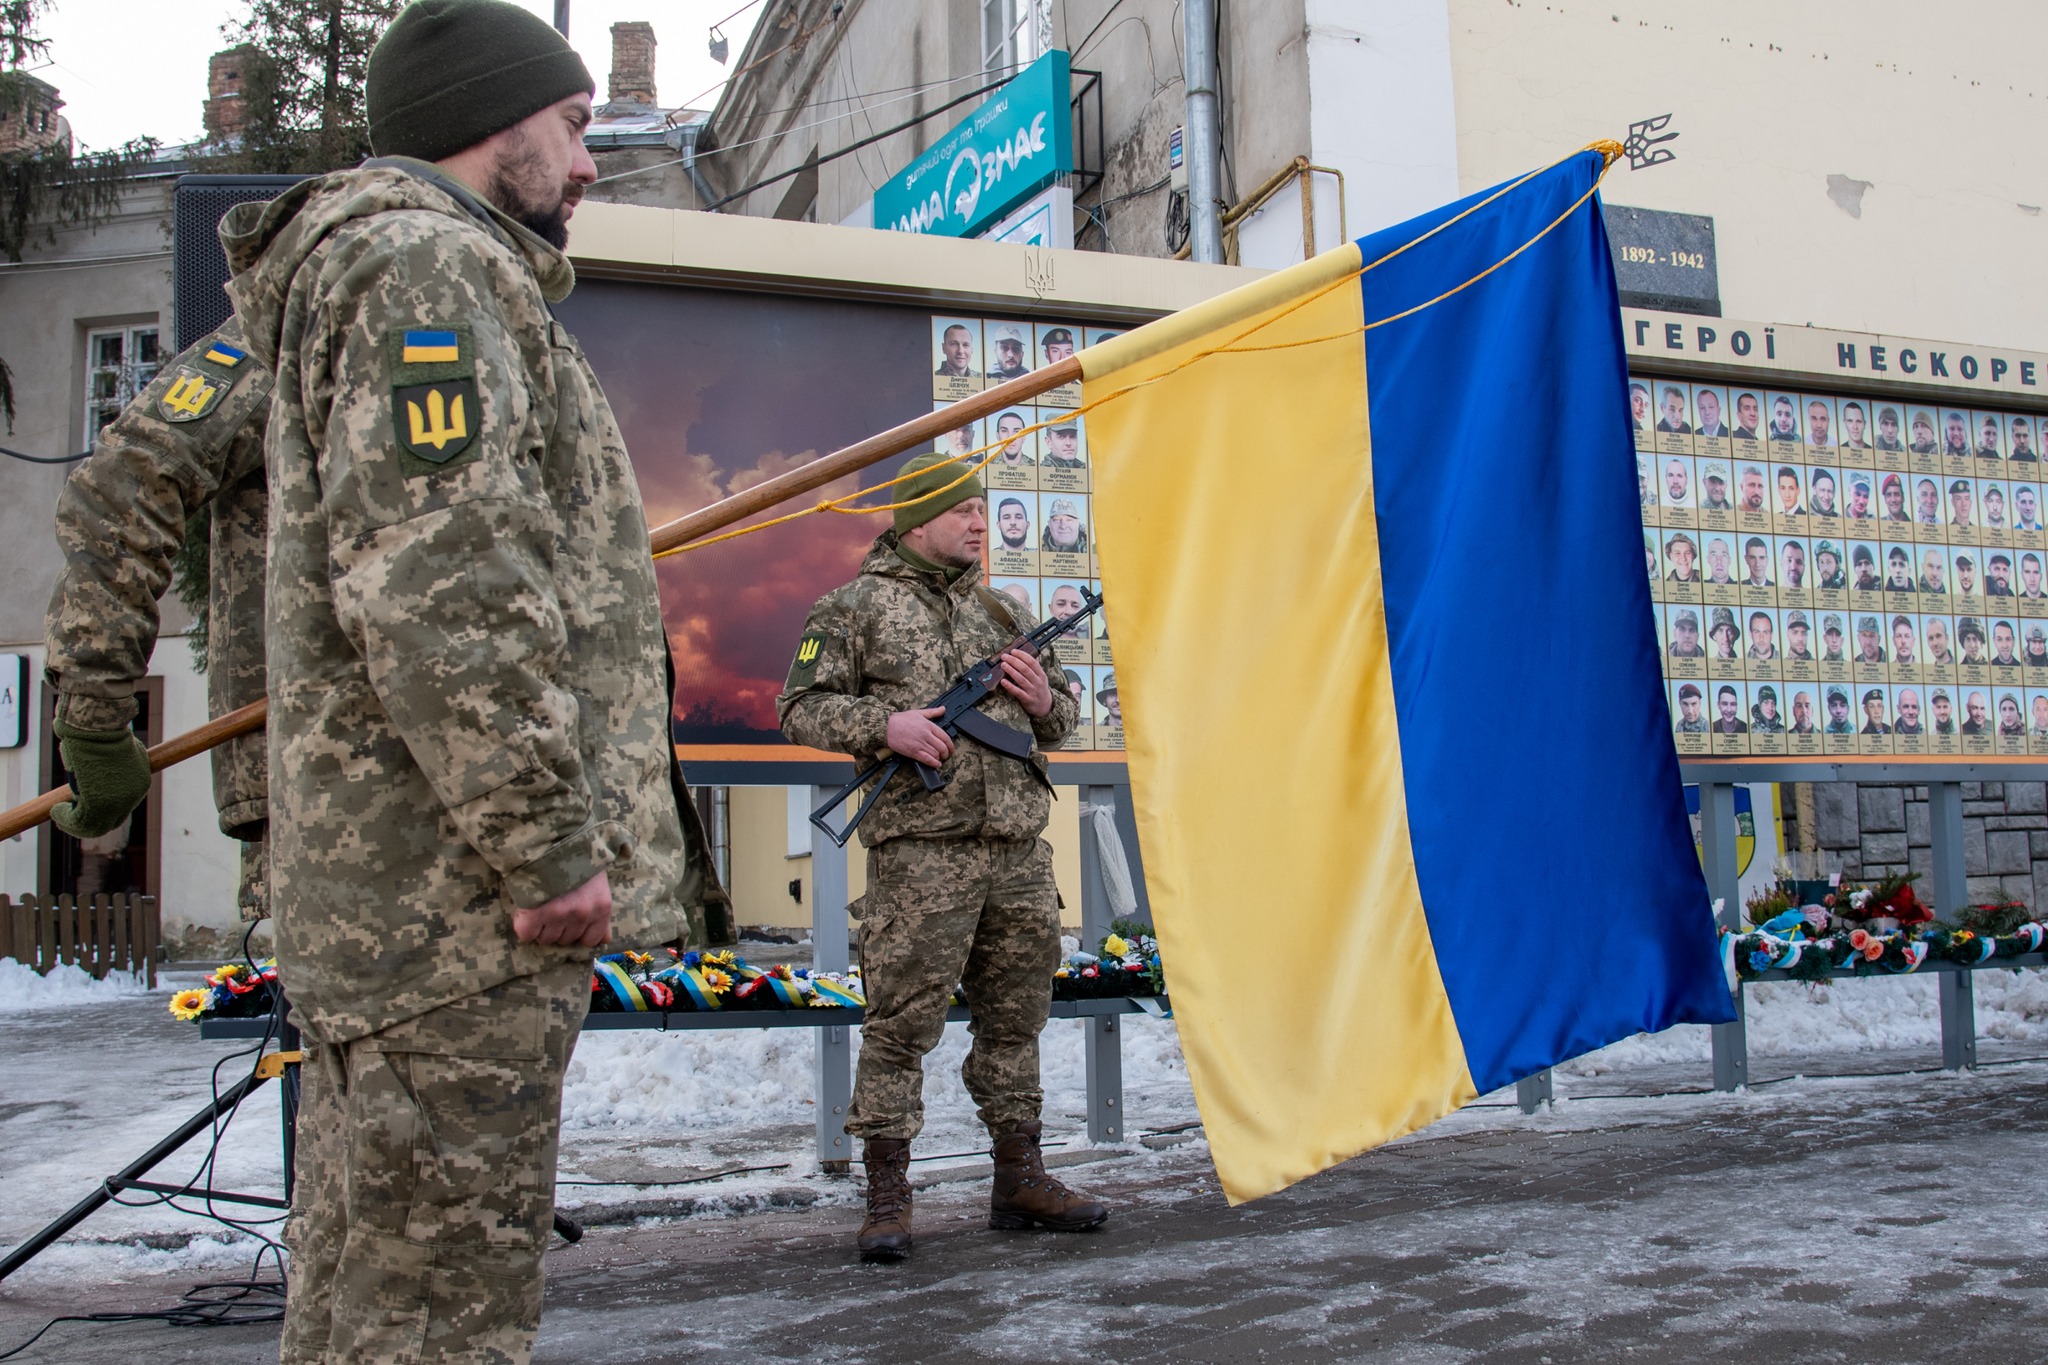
(253, 895)
(981, 913)
(426, 1180)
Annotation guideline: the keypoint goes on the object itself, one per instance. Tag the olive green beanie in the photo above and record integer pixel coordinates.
(936, 473)
(449, 73)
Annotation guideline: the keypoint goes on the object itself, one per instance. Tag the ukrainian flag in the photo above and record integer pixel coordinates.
(220, 353)
(1402, 768)
(429, 347)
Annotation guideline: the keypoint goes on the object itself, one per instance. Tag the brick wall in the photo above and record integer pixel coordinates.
(632, 74)
(1881, 830)
(227, 75)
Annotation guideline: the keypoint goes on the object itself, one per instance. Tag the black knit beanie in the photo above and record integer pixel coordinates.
(449, 73)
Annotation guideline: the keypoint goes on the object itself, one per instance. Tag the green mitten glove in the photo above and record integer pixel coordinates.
(109, 778)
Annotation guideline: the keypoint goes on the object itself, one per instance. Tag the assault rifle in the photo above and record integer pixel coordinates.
(977, 683)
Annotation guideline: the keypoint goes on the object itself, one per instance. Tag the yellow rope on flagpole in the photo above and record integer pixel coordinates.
(1611, 151)
(993, 448)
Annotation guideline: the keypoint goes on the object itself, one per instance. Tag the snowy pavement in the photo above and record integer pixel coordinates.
(1878, 1218)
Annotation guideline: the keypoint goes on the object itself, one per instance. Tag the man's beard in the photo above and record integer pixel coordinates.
(512, 190)
(1016, 542)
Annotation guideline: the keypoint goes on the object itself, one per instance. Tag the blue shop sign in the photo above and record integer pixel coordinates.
(1016, 143)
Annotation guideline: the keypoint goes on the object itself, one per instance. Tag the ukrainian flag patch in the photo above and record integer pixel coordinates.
(435, 407)
(427, 348)
(224, 355)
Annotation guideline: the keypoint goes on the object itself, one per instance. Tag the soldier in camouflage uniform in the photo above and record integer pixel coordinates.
(192, 439)
(470, 763)
(960, 885)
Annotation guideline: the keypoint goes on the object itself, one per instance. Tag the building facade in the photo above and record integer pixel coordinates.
(1825, 152)
(90, 317)
(1847, 161)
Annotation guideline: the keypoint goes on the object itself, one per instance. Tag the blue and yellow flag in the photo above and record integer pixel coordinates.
(1370, 530)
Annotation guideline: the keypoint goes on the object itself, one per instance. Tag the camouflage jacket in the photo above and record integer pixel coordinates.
(467, 710)
(892, 640)
(193, 438)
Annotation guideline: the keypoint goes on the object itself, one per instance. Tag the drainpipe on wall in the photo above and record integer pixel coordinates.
(1204, 142)
(684, 140)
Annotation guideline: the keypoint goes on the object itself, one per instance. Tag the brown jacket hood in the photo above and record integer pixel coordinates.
(266, 243)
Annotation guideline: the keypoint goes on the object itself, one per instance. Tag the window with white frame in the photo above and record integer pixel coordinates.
(1014, 33)
(119, 363)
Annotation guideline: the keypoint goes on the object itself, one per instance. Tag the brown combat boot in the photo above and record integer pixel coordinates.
(885, 1236)
(1025, 1196)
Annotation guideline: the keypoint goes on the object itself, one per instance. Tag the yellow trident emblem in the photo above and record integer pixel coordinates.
(188, 398)
(439, 424)
(807, 652)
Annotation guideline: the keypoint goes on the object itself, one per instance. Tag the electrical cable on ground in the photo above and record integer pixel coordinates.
(228, 1303)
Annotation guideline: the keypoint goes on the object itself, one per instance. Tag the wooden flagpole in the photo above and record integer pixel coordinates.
(671, 535)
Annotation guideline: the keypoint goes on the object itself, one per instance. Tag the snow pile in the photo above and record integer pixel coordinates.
(745, 1078)
(21, 988)
(1859, 1015)
(713, 1078)
(148, 1256)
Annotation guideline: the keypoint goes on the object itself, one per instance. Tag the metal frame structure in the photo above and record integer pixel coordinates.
(832, 1065)
(1950, 892)
(829, 952)
(1087, 172)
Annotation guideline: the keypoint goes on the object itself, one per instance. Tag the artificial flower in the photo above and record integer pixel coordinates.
(715, 981)
(189, 1005)
(1115, 945)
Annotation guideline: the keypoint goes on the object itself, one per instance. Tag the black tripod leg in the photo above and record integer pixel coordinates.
(288, 1105)
(84, 1208)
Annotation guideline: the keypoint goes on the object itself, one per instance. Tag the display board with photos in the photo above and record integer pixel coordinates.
(1041, 543)
(1841, 575)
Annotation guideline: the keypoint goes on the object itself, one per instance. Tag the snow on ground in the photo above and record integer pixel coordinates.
(1789, 1018)
(662, 1107)
(97, 1070)
(21, 988)
(709, 1080)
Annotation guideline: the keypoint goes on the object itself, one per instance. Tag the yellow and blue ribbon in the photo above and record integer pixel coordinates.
(623, 986)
